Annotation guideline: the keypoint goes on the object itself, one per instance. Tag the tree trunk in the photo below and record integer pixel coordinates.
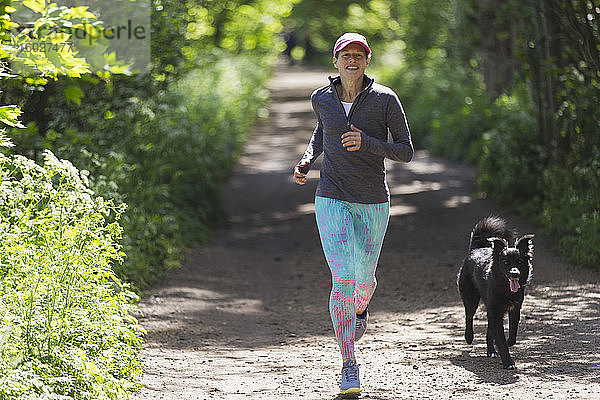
(496, 45)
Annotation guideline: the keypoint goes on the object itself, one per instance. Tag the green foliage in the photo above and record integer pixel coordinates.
(512, 87)
(165, 153)
(9, 115)
(35, 54)
(511, 160)
(560, 157)
(164, 143)
(178, 148)
(67, 328)
(317, 24)
(189, 33)
(447, 106)
(571, 208)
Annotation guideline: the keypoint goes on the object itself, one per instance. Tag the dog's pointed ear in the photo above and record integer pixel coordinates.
(525, 245)
(498, 244)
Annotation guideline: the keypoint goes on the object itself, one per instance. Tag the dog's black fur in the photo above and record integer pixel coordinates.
(496, 272)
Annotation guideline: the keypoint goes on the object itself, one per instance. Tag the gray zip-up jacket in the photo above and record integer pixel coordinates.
(358, 176)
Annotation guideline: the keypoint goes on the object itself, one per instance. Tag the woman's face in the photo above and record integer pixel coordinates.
(351, 61)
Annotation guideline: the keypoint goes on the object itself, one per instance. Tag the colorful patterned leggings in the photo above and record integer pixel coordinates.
(352, 235)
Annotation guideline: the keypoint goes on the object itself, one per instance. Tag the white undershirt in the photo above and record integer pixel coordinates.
(347, 106)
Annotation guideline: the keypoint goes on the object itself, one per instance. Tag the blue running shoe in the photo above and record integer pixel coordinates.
(350, 381)
(361, 324)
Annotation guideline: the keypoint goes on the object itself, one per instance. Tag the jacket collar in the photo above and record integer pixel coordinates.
(337, 79)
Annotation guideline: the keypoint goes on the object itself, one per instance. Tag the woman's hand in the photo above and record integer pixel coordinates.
(299, 176)
(351, 140)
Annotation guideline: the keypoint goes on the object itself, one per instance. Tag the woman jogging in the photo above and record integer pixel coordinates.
(354, 115)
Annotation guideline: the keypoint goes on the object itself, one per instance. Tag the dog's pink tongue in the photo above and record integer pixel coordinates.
(514, 285)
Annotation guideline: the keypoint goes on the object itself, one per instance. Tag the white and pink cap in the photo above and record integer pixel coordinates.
(348, 38)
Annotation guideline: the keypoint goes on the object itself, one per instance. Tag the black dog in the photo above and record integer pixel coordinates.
(497, 273)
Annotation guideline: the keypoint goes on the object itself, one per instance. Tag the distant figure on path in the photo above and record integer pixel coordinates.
(352, 202)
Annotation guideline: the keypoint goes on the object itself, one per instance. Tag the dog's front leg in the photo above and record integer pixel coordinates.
(496, 328)
(514, 316)
(489, 340)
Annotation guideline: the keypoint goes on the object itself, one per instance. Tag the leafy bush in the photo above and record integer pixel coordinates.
(163, 143)
(179, 158)
(66, 327)
(482, 85)
(446, 106)
(450, 114)
(511, 161)
(571, 210)
(163, 152)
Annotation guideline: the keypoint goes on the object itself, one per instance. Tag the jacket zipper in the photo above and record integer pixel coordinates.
(354, 103)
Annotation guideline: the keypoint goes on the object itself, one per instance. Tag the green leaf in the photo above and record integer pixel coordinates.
(43, 22)
(10, 116)
(78, 12)
(5, 140)
(55, 58)
(118, 69)
(74, 94)
(35, 5)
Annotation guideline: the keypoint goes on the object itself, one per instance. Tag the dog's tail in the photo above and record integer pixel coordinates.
(487, 228)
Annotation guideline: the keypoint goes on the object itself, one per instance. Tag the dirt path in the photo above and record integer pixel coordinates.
(247, 316)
